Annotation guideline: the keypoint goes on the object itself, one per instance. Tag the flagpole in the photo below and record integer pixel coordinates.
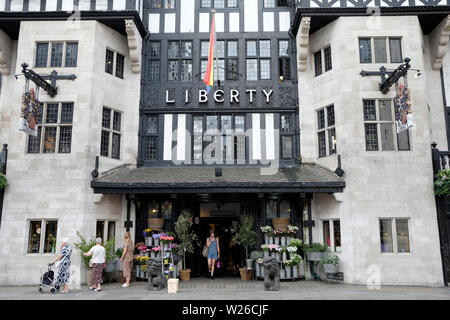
(215, 46)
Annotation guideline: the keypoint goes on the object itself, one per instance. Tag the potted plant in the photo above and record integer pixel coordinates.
(296, 261)
(155, 237)
(52, 243)
(147, 233)
(245, 236)
(266, 251)
(186, 237)
(330, 263)
(442, 183)
(288, 267)
(84, 246)
(111, 258)
(266, 230)
(296, 243)
(3, 181)
(315, 251)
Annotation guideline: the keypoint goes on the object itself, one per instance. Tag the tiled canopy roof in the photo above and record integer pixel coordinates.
(306, 178)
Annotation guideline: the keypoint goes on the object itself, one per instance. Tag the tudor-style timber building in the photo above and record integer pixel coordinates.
(290, 129)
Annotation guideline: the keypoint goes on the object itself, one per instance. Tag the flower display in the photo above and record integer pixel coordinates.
(147, 232)
(277, 233)
(288, 262)
(296, 243)
(156, 236)
(266, 229)
(142, 248)
(265, 247)
(156, 249)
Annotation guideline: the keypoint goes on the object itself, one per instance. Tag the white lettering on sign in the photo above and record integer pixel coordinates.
(252, 93)
(202, 96)
(219, 96)
(167, 98)
(234, 96)
(267, 94)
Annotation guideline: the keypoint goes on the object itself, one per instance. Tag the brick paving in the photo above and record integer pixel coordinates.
(234, 289)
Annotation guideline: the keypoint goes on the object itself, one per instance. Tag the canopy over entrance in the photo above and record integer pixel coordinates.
(308, 178)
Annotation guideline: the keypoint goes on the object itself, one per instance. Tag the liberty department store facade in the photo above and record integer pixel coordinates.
(288, 104)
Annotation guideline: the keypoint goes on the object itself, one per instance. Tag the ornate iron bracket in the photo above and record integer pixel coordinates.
(39, 80)
(389, 77)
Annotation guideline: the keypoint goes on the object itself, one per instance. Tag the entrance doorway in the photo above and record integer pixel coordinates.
(229, 255)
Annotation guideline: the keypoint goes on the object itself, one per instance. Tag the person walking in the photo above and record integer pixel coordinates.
(98, 261)
(64, 266)
(213, 252)
(127, 259)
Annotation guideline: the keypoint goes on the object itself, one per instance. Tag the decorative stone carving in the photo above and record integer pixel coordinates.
(156, 279)
(271, 274)
(287, 96)
(440, 38)
(5, 53)
(134, 44)
(303, 43)
(151, 97)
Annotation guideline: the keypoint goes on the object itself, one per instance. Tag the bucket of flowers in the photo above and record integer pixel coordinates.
(292, 250)
(296, 261)
(288, 267)
(155, 251)
(156, 237)
(276, 236)
(147, 233)
(267, 230)
(143, 266)
(275, 251)
(166, 241)
(290, 232)
(330, 263)
(141, 250)
(266, 250)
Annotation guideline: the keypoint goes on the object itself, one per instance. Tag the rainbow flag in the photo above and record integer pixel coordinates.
(209, 76)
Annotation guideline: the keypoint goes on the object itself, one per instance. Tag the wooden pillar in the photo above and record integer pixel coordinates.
(310, 236)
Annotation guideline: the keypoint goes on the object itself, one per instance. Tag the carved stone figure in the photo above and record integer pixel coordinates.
(156, 279)
(271, 274)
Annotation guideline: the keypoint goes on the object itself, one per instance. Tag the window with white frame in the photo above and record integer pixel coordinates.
(56, 54)
(114, 63)
(42, 236)
(379, 126)
(380, 50)
(326, 131)
(322, 61)
(332, 234)
(111, 133)
(394, 235)
(54, 126)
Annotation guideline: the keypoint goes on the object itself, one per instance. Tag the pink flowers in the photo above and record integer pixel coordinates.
(142, 248)
(166, 239)
(274, 247)
(156, 249)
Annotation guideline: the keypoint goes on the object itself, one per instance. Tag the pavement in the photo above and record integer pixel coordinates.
(234, 289)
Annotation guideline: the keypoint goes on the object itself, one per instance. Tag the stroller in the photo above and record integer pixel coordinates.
(48, 279)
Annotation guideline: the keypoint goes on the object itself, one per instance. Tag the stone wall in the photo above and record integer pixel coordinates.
(379, 184)
(57, 186)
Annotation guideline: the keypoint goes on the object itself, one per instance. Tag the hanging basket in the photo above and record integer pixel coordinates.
(155, 223)
(280, 223)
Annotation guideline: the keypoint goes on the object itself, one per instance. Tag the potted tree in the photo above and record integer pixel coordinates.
(187, 238)
(315, 251)
(245, 236)
(330, 263)
(296, 261)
